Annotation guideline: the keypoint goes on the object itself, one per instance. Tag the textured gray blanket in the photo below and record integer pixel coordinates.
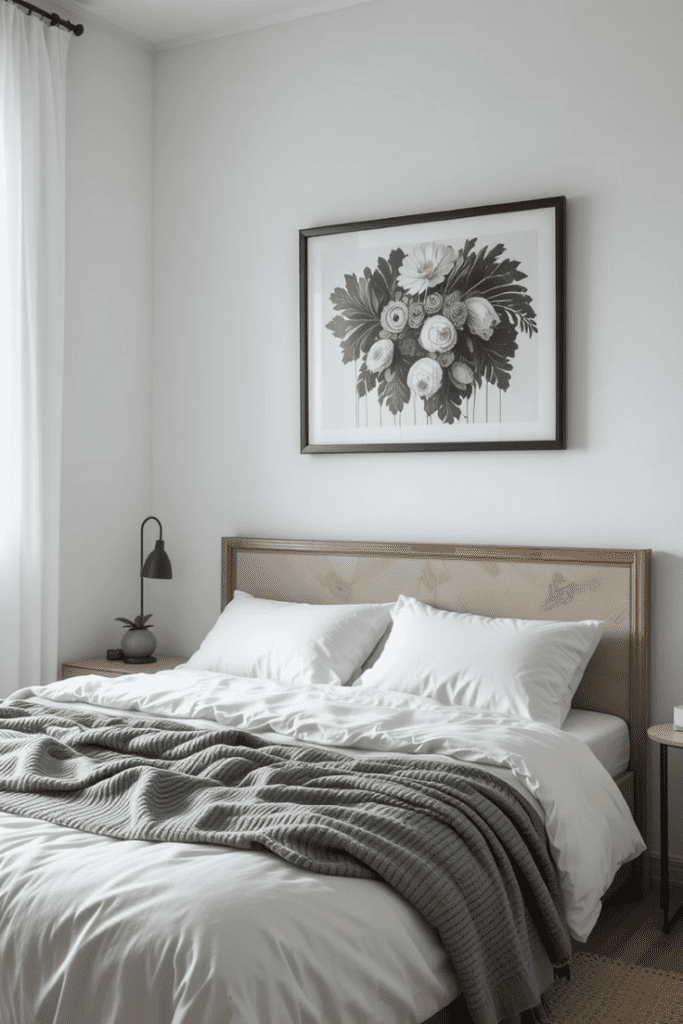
(458, 844)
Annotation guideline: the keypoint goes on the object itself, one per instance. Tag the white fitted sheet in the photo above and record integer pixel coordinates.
(606, 735)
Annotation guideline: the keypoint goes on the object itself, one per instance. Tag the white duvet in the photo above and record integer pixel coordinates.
(131, 932)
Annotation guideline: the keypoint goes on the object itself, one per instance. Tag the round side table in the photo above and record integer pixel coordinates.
(667, 737)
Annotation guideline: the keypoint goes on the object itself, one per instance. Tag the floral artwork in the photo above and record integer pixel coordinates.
(433, 324)
(441, 332)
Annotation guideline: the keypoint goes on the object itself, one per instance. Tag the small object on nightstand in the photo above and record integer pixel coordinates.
(678, 719)
(667, 736)
(114, 654)
(137, 643)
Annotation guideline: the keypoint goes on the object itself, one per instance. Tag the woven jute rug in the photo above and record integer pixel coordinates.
(604, 991)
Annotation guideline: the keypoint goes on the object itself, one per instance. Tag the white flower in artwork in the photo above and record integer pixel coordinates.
(427, 267)
(438, 334)
(424, 377)
(380, 355)
(481, 317)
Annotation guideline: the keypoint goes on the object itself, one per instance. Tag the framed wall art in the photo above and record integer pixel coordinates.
(440, 332)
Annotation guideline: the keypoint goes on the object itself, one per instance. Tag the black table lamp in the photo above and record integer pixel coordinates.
(157, 565)
(138, 643)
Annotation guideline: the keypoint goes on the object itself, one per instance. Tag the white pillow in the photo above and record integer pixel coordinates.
(290, 642)
(521, 667)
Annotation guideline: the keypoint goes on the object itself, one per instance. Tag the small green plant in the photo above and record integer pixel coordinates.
(139, 622)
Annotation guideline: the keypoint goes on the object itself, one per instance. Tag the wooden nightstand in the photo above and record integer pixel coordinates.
(102, 667)
(667, 737)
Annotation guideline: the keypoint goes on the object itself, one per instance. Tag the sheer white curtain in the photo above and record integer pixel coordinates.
(32, 200)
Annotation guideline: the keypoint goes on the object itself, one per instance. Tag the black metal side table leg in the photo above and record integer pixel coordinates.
(664, 841)
(664, 835)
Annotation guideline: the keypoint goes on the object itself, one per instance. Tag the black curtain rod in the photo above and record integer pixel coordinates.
(53, 18)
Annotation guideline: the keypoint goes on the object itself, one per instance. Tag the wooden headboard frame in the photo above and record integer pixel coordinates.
(553, 583)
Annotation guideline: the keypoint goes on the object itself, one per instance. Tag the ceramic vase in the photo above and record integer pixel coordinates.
(138, 643)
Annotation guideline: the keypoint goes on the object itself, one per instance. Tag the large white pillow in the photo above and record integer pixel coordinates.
(291, 642)
(521, 667)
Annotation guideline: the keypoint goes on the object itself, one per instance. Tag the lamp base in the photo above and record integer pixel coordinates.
(139, 661)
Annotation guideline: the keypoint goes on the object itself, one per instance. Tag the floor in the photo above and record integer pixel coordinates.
(632, 932)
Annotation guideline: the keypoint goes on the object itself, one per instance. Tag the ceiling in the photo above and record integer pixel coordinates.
(166, 23)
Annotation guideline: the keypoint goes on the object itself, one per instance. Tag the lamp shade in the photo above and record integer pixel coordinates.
(157, 564)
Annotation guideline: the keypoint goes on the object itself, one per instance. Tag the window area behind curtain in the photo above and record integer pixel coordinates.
(32, 199)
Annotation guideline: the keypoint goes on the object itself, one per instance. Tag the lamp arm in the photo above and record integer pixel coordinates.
(142, 578)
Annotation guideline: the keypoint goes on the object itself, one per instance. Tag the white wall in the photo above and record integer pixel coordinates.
(395, 108)
(106, 463)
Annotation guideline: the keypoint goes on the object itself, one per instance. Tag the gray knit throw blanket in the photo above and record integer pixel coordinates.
(460, 845)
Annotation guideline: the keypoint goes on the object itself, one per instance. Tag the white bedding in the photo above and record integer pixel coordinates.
(141, 933)
(106, 931)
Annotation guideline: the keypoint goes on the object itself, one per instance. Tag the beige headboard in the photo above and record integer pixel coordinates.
(531, 583)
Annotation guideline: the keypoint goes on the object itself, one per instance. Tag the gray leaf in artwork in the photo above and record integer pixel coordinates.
(562, 592)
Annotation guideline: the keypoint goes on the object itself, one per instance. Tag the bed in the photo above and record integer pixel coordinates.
(128, 930)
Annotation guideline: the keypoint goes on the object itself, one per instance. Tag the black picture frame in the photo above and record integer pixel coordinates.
(465, 290)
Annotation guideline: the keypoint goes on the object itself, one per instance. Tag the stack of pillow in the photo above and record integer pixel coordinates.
(522, 667)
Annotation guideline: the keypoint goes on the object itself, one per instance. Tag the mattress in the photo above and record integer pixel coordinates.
(606, 735)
